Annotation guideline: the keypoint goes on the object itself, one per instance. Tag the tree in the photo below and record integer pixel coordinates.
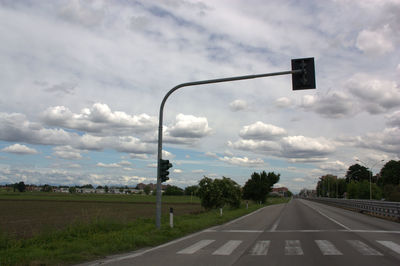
(87, 186)
(106, 189)
(72, 190)
(147, 189)
(390, 173)
(360, 190)
(21, 186)
(357, 172)
(47, 188)
(259, 185)
(219, 192)
(191, 190)
(173, 191)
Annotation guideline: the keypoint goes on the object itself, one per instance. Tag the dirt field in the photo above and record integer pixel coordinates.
(23, 218)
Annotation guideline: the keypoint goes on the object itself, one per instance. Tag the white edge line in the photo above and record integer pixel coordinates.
(326, 216)
(136, 254)
(247, 215)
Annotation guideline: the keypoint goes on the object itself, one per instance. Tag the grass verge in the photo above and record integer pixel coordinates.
(88, 241)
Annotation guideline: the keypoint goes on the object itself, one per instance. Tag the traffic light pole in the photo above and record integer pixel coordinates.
(160, 123)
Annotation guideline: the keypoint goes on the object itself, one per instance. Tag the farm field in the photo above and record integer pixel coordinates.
(27, 214)
(67, 229)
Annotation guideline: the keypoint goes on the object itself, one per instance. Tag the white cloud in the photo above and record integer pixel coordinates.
(167, 155)
(110, 165)
(211, 154)
(177, 171)
(132, 145)
(189, 126)
(386, 141)
(261, 131)
(121, 164)
(16, 128)
(242, 161)
(283, 102)
(67, 152)
(238, 105)
(198, 171)
(303, 147)
(298, 179)
(335, 105)
(375, 42)
(393, 119)
(19, 149)
(378, 95)
(99, 119)
(138, 156)
(335, 167)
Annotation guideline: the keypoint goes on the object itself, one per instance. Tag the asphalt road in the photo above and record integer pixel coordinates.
(298, 233)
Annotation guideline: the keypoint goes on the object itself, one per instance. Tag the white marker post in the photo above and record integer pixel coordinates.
(171, 217)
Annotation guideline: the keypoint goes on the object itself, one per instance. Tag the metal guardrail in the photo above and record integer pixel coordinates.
(381, 208)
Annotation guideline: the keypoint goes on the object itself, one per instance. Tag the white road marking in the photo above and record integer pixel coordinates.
(302, 231)
(196, 247)
(330, 218)
(391, 245)
(327, 248)
(228, 247)
(364, 248)
(275, 225)
(243, 217)
(260, 248)
(293, 247)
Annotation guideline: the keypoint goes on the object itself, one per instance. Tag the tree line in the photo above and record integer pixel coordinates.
(218, 193)
(213, 193)
(356, 183)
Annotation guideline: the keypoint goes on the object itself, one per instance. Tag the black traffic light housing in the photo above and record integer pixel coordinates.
(306, 79)
(164, 166)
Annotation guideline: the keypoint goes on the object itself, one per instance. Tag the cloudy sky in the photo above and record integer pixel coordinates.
(82, 82)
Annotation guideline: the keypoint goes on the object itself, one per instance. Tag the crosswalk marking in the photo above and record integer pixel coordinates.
(391, 245)
(260, 248)
(364, 248)
(228, 247)
(196, 247)
(327, 248)
(293, 247)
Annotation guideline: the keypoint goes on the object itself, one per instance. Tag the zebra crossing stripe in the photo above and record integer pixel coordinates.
(196, 247)
(293, 247)
(391, 245)
(327, 248)
(364, 248)
(260, 248)
(228, 247)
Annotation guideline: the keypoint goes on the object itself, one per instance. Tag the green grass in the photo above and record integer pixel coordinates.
(88, 241)
(51, 196)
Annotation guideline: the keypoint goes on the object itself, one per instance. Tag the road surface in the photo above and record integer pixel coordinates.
(300, 232)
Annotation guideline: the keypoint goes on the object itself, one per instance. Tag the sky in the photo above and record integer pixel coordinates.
(82, 83)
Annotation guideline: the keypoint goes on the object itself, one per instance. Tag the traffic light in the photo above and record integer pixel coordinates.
(164, 166)
(306, 79)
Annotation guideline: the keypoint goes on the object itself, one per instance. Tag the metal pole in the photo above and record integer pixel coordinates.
(160, 122)
(370, 175)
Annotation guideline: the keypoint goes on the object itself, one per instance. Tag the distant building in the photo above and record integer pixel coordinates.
(280, 191)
